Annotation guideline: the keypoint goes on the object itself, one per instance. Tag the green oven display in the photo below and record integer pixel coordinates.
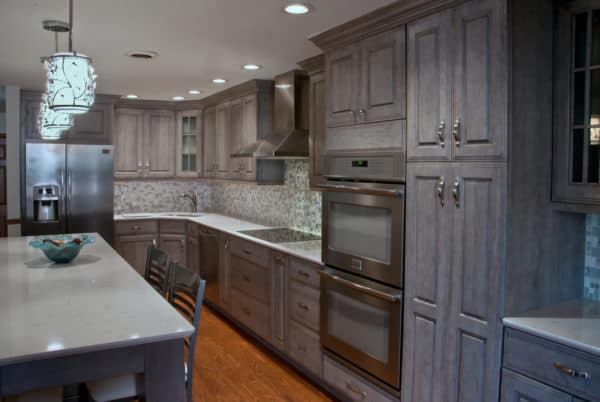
(360, 164)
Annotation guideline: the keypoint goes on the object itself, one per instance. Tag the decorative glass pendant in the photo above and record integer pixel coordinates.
(51, 119)
(71, 82)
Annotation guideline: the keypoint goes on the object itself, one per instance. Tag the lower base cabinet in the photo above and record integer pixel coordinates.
(518, 388)
(134, 249)
(305, 348)
(250, 312)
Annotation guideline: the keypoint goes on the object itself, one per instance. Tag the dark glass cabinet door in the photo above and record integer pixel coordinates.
(576, 170)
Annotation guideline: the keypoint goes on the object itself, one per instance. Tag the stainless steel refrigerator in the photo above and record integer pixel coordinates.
(68, 189)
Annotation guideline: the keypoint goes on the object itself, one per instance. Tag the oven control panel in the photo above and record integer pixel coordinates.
(380, 167)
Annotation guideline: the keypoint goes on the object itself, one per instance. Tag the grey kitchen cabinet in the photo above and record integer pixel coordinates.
(236, 133)
(209, 138)
(222, 140)
(224, 272)
(192, 249)
(248, 168)
(280, 296)
(518, 388)
(128, 143)
(159, 144)
(189, 144)
(576, 142)
(342, 72)
(175, 246)
(134, 249)
(454, 285)
(456, 92)
(209, 265)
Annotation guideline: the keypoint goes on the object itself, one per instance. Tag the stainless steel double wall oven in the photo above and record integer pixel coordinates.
(363, 249)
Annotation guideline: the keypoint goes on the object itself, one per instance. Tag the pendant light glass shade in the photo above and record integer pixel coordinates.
(52, 123)
(71, 83)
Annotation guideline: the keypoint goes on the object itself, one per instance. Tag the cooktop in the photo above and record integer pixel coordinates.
(280, 235)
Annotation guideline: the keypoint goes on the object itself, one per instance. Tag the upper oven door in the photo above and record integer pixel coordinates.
(363, 229)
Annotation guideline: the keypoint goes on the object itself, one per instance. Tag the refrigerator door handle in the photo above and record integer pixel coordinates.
(63, 190)
(69, 184)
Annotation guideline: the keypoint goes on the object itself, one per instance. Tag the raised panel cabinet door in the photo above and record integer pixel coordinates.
(426, 282)
(222, 134)
(250, 135)
(134, 249)
(224, 270)
(479, 106)
(478, 229)
(209, 134)
(192, 254)
(93, 127)
(128, 139)
(159, 152)
(279, 299)
(429, 98)
(383, 76)
(236, 136)
(342, 71)
(175, 247)
(317, 126)
(518, 388)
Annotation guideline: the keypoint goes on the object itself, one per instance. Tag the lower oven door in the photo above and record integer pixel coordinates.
(361, 321)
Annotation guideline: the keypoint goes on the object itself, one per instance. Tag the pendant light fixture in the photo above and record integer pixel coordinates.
(71, 78)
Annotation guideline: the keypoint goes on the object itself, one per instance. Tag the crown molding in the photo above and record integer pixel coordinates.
(314, 64)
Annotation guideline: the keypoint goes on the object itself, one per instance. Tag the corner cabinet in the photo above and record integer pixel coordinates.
(366, 81)
(576, 145)
(144, 143)
(189, 144)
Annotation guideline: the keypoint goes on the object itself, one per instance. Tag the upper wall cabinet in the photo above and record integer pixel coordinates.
(209, 134)
(576, 156)
(144, 143)
(189, 144)
(366, 81)
(456, 92)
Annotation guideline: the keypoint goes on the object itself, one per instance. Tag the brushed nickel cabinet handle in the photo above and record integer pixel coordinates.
(182, 243)
(456, 191)
(439, 189)
(355, 390)
(154, 243)
(362, 113)
(226, 245)
(456, 132)
(139, 167)
(572, 372)
(134, 228)
(247, 252)
(440, 134)
(303, 306)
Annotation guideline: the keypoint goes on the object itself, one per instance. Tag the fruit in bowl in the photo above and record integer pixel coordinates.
(62, 248)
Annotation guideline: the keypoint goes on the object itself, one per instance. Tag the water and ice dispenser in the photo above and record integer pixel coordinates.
(45, 202)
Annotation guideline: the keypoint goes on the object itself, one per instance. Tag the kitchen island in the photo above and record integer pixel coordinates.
(90, 319)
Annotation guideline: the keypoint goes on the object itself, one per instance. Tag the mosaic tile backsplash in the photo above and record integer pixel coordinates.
(591, 284)
(291, 205)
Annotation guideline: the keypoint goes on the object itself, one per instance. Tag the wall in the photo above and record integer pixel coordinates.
(292, 205)
(591, 287)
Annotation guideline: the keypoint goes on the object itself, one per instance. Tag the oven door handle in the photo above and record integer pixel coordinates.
(395, 192)
(388, 297)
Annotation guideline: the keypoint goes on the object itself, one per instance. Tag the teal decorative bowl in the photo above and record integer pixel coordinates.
(62, 248)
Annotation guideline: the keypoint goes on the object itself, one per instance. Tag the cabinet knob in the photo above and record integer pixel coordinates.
(356, 390)
(134, 228)
(182, 243)
(440, 190)
(362, 113)
(440, 133)
(154, 243)
(456, 132)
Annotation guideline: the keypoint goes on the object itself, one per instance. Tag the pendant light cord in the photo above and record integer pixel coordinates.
(71, 26)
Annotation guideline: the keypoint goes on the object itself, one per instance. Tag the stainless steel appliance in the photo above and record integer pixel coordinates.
(81, 179)
(363, 248)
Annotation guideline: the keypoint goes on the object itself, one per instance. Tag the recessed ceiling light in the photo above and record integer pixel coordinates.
(142, 54)
(251, 67)
(178, 98)
(219, 81)
(194, 92)
(298, 8)
(130, 96)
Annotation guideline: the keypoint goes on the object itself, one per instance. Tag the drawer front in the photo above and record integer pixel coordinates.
(354, 387)
(193, 229)
(175, 227)
(249, 278)
(538, 358)
(251, 313)
(135, 227)
(305, 272)
(250, 251)
(304, 305)
(305, 348)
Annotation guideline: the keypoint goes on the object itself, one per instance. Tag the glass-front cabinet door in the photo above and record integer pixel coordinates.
(576, 170)
(189, 140)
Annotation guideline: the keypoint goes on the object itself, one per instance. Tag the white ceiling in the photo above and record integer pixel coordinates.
(197, 40)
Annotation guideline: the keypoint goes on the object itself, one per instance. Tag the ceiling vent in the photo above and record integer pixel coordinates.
(142, 54)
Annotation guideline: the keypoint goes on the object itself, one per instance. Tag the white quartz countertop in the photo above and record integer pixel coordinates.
(307, 250)
(96, 302)
(575, 323)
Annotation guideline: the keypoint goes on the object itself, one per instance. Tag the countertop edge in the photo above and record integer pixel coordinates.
(230, 232)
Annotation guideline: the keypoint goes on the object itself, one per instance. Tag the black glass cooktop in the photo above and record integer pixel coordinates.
(281, 235)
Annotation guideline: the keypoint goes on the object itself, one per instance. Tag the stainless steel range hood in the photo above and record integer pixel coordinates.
(290, 138)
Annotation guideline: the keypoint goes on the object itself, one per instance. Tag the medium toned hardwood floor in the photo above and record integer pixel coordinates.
(230, 367)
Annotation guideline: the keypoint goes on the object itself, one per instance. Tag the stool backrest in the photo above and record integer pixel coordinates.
(157, 269)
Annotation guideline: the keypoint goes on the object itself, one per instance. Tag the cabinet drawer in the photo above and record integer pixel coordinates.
(251, 313)
(305, 348)
(172, 227)
(250, 251)
(304, 305)
(305, 272)
(537, 357)
(249, 278)
(135, 227)
(354, 387)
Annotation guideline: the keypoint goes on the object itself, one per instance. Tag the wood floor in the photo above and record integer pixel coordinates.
(230, 367)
